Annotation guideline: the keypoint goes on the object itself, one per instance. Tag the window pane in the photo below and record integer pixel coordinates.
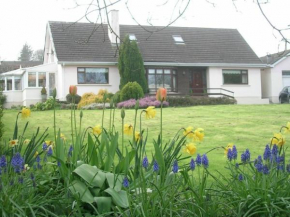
(41, 79)
(151, 81)
(159, 81)
(81, 69)
(159, 71)
(174, 83)
(81, 78)
(245, 79)
(17, 83)
(167, 82)
(9, 83)
(97, 76)
(166, 71)
(2, 84)
(151, 71)
(31, 79)
(232, 79)
(235, 76)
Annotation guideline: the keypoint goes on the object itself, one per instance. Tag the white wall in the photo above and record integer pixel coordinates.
(49, 51)
(266, 83)
(13, 98)
(70, 78)
(250, 93)
(276, 79)
(31, 95)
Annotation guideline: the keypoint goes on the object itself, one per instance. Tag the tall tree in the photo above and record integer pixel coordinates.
(25, 53)
(131, 65)
(38, 55)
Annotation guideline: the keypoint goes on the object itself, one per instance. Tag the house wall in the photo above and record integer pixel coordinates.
(67, 76)
(31, 95)
(250, 93)
(276, 79)
(13, 98)
(49, 51)
(266, 83)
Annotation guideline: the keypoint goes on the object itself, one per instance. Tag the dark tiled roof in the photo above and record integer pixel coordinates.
(7, 66)
(273, 58)
(202, 45)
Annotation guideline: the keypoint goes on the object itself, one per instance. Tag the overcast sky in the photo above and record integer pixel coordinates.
(24, 21)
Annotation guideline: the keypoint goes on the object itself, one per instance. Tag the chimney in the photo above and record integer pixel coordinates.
(115, 29)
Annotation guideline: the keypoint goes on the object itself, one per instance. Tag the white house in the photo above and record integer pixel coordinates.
(276, 75)
(185, 60)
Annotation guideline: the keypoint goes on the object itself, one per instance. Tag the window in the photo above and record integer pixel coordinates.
(31, 79)
(17, 83)
(286, 73)
(132, 37)
(178, 39)
(93, 75)
(235, 76)
(9, 83)
(2, 83)
(162, 78)
(41, 79)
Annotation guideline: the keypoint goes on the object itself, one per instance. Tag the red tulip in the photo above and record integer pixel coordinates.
(161, 94)
(73, 90)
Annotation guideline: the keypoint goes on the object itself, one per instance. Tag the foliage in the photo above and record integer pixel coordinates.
(1, 123)
(89, 98)
(182, 101)
(43, 91)
(69, 98)
(47, 105)
(132, 90)
(3, 98)
(38, 55)
(25, 53)
(117, 96)
(131, 65)
(143, 103)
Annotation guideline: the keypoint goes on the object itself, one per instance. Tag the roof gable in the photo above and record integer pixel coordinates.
(273, 58)
(86, 42)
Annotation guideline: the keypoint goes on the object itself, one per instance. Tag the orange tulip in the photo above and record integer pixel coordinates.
(161, 94)
(73, 90)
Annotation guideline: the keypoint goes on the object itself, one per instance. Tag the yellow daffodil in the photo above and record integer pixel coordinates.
(137, 136)
(128, 129)
(12, 143)
(278, 139)
(199, 133)
(150, 112)
(25, 112)
(97, 130)
(229, 146)
(62, 136)
(36, 154)
(287, 129)
(190, 148)
(189, 132)
(26, 141)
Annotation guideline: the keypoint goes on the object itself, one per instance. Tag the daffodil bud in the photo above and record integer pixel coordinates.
(54, 93)
(137, 105)
(123, 113)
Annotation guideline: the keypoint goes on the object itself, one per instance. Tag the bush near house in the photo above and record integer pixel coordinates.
(143, 103)
(42, 106)
(183, 101)
(132, 90)
(89, 98)
(69, 98)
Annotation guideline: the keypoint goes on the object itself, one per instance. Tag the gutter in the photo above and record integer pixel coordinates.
(71, 63)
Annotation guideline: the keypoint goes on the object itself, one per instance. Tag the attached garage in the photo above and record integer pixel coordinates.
(286, 78)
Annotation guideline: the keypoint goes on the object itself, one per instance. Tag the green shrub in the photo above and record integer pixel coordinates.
(77, 98)
(183, 101)
(117, 97)
(42, 106)
(132, 90)
(2, 98)
(1, 122)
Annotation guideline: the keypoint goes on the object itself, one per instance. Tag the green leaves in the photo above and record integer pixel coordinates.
(119, 197)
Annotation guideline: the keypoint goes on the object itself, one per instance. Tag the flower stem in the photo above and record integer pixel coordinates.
(134, 127)
(161, 125)
(122, 136)
(141, 120)
(71, 122)
(103, 115)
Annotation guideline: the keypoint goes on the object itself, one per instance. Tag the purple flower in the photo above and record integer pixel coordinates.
(259, 164)
(198, 160)
(265, 169)
(235, 152)
(241, 177)
(17, 163)
(230, 155)
(38, 159)
(175, 167)
(275, 150)
(267, 152)
(246, 156)
(204, 161)
(3, 162)
(143, 103)
(145, 162)
(155, 166)
(70, 151)
(44, 146)
(49, 152)
(237, 165)
(126, 182)
(192, 165)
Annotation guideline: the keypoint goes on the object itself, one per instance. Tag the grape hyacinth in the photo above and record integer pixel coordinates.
(38, 159)
(175, 167)
(267, 152)
(275, 150)
(230, 155)
(237, 165)
(70, 151)
(145, 162)
(192, 165)
(259, 164)
(3, 162)
(204, 161)
(246, 156)
(241, 178)
(265, 169)
(235, 152)
(126, 182)
(17, 163)
(155, 166)
(49, 152)
(44, 146)
(198, 160)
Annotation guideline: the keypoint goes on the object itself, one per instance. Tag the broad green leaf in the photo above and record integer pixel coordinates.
(115, 181)
(81, 190)
(125, 162)
(111, 151)
(104, 204)
(91, 152)
(91, 174)
(95, 191)
(119, 198)
(159, 156)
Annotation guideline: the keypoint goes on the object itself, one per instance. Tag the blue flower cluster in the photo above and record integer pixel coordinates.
(70, 151)
(232, 153)
(145, 162)
(126, 182)
(246, 156)
(175, 167)
(17, 163)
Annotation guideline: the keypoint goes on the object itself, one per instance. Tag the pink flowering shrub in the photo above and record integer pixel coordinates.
(143, 103)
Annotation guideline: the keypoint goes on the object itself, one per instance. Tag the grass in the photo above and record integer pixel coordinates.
(247, 126)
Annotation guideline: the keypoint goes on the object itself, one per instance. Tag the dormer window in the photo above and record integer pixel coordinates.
(178, 39)
(132, 37)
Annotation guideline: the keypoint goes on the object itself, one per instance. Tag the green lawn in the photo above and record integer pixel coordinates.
(247, 126)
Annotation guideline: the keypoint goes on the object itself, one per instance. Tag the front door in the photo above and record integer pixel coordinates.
(197, 82)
